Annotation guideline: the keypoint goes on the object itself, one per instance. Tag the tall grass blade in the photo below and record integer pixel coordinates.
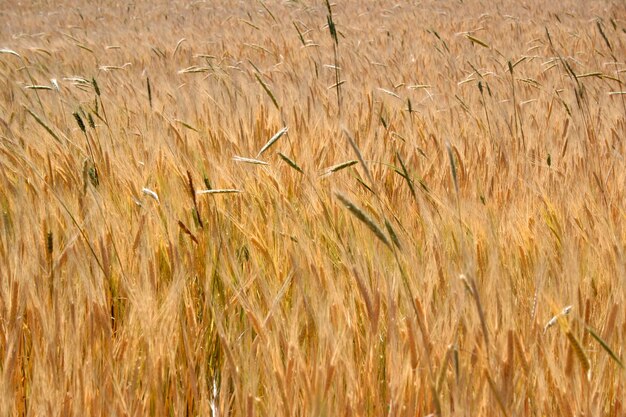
(273, 140)
(605, 346)
(267, 90)
(364, 218)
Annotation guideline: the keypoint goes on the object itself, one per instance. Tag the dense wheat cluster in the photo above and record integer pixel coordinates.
(295, 208)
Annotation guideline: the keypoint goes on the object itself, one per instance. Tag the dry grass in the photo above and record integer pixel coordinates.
(452, 178)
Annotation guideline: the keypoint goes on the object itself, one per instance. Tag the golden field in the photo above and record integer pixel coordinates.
(294, 208)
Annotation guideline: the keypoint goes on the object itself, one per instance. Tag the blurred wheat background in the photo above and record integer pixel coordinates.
(295, 208)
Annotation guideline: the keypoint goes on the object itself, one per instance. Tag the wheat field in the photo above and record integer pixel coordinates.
(296, 208)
